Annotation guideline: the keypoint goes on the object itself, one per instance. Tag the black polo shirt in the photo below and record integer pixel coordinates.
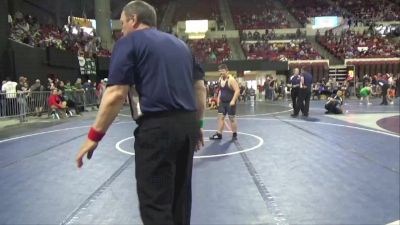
(160, 66)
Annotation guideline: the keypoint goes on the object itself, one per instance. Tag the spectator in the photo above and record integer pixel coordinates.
(9, 88)
(61, 86)
(67, 103)
(37, 95)
(79, 93)
(68, 86)
(87, 85)
(391, 95)
(10, 21)
(3, 104)
(56, 105)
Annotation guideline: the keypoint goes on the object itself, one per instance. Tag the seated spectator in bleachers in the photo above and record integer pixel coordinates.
(334, 104)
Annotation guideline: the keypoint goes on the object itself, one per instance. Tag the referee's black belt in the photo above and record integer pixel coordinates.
(147, 115)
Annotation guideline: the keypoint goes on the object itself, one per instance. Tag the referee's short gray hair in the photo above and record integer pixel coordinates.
(145, 12)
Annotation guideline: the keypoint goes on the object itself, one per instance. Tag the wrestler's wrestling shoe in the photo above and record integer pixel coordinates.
(216, 136)
(234, 136)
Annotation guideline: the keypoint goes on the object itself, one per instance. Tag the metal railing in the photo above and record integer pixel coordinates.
(23, 104)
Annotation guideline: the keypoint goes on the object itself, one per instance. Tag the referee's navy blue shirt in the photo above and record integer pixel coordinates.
(295, 80)
(307, 79)
(160, 66)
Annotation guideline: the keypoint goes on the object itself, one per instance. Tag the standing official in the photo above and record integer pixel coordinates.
(294, 82)
(303, 102)
(172, 97)
(384, 84)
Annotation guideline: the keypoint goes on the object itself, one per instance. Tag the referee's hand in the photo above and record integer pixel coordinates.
(200, 142)
(87, 149)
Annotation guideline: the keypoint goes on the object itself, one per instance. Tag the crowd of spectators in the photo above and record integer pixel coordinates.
(304, 9)
(210, 50)
(281, 51)
(253, 14)
(330, 86)
(27, 29)
(199, 10)
(56, 96)
(371, 10)
(269, 34)
(352, 44)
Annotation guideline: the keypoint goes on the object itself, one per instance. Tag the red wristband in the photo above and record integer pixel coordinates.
(95, 135)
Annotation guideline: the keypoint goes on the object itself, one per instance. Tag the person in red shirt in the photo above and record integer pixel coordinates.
(55, 104)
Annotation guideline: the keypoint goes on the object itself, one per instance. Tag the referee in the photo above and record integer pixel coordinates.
(294, 82)
(172, 98)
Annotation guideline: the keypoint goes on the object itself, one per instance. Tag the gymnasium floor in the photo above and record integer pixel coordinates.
(326, 169)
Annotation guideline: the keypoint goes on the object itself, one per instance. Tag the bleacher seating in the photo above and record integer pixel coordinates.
(210, 51)
(283, 51)
(196, 10)
(263, 35)
(254, 14)
(350, 44)
(304, 9)
(26, 29)
(377, 10)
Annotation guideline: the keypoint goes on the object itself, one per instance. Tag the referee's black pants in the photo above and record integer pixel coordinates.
(164, 147)
(303, 101)
(294, 94)
(385, 88)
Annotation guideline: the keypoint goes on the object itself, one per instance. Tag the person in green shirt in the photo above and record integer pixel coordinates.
(365, 92)
(68, 86)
